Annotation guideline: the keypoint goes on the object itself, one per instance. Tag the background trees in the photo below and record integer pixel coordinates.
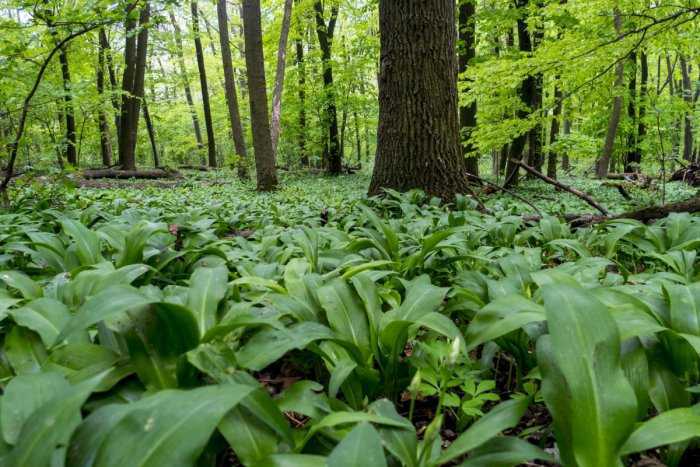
(536, 80)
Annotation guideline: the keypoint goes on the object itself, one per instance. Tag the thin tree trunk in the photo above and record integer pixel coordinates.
(71, 155)
(565, 163)
(234, 114)
(151, 134)
(262, 141)
(467, 113)
(109, 61)
(688, 98)
(632, 112)
(102, 120)
(604, 162)
(636, 158)
(211, 144)
(279, 76)
(301, 70)
(133, 86)
(536, 135)
(528, 91)
(357, 138)
(554, 134)
(325, 40)
(418, 132)
(186, 81)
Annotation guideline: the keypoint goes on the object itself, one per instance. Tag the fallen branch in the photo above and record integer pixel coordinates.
(620, 188)
(560, 185)
(506, 190)
(126, 174)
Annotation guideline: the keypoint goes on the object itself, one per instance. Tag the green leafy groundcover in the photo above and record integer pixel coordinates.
(212, 325)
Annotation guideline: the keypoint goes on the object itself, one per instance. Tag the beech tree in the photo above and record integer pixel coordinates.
(418, 135)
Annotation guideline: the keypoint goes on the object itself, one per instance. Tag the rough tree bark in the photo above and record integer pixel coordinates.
(234, 114)
(565, 162)
(636, 157)
(632, 110)
(68, 111)
(262, 142)
(151, 134)
(604, 161)
(186, 81)
(325, 40)
(301, 70)
(467, 113)
(102, 121)
(133, 85)
(418, 133)
(211, 144)
(536, 135)
(279, 75)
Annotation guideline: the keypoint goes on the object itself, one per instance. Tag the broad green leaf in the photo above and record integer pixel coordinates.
(502, 316)
(579, 358)
(86, 241)
(291, 460)
(169, 428)
(346, 314)
(45, 316)
(22, 282)
(342, 370)
(135, 242)
(249, 437)
(23, 395)
(684, 301)
(207, 288)
(25, 351)
(50, 426)
(401, 442)
(506, 451)
(666, 428)
(362, 446)
(503, 416)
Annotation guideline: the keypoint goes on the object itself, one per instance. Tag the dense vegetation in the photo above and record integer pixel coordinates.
(164, 326)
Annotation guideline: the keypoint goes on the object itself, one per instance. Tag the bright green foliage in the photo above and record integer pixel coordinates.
(156, 334)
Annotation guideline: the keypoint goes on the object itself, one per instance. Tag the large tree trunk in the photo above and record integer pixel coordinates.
(418, 133)
(325, 40)
(133, 86)
(467, 113)
(186, 82)
(102, 120)
(151, 134)
(279, 75)
(262, 142)
(234, 114)
(688, 98)
(604, 162)
(528, 91)
(211, 145)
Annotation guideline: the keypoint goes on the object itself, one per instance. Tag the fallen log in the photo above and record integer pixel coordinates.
(620, 188)
(689, 174)
(126, 174)
(202, 168)
(560, 185)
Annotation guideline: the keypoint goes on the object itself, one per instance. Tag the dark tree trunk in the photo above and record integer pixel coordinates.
(467, 113)
(632, 141)
(151, 134)
(109, 61)
(536, 136)
(688, 98)
(133, 86)
(102, 120)
(565, 163)
(279, 75)
(554, 134)
(234, 114)
(357, 138)
(68, 111)
(636, 157)
(211, 145)
(528, 91)
(325, 40)
(262, 142)
(418, 133)
(301, 69)
(186, 82)
(604, 162)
